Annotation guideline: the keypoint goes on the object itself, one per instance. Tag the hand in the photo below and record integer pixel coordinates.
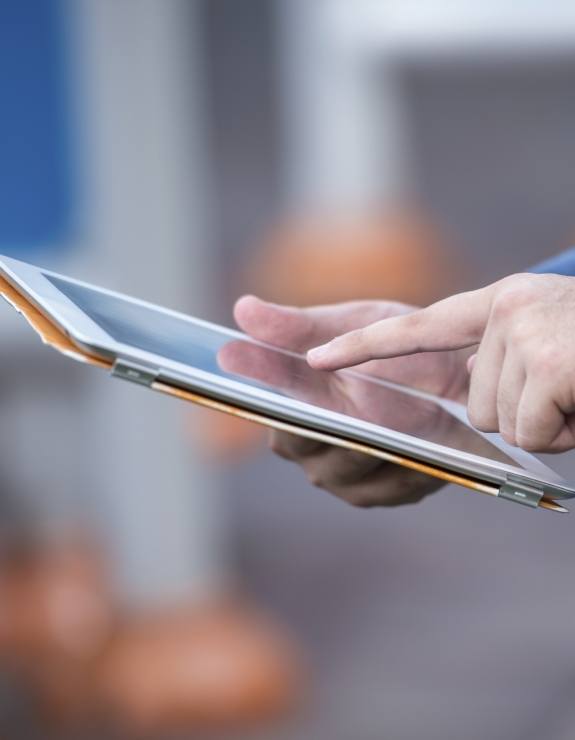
(354, 477)
(523, 373)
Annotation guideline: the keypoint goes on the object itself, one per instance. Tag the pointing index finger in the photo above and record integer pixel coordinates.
(449, 324)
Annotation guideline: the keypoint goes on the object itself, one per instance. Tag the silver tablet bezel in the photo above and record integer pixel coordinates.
(88, 335)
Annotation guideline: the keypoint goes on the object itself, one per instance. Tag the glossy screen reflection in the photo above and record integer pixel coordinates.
(225, 355)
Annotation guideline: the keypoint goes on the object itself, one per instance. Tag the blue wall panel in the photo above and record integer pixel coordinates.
(35, 147)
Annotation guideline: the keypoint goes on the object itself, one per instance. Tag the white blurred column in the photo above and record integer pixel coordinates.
(144, 150)
(341, 111)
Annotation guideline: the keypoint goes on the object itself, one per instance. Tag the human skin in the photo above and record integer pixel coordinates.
(522, 376)
(354, 477)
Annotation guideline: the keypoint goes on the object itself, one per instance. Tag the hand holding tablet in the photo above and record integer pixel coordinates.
(353, 477)
(401, 410)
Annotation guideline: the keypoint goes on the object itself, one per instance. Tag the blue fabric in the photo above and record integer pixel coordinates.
(561, 264)
(36, 188)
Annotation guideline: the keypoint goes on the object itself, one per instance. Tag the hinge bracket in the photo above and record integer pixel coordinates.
(518, 490)
(139, 374)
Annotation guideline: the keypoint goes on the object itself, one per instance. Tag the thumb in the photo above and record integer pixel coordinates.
(298, 329)
(284, 326)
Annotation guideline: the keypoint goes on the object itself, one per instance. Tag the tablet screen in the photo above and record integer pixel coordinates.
(227, 355)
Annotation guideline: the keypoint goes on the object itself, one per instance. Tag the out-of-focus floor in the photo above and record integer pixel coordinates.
(414, 625)
(444, 620)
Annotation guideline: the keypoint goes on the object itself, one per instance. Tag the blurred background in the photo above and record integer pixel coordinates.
(161, 573)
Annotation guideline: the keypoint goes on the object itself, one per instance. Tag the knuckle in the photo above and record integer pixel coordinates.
(508, 436)
(483, 423)
(366, 340)
(358, 338)
(512, 298)
(528, 441)
(292, 446)
(521, 332)
(404, 487)
(284, 445)
(414, 324)
(350, 468)
(414, 319)
(277, 444)
(362, 500)
(546, 361)
(479, 418)
(521, 280)
(474, 416)
(316, 477)
(507, 415)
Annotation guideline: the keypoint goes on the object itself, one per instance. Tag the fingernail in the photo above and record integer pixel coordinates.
(318, 353)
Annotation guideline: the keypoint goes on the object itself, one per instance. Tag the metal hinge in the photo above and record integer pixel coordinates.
(139, 374)
(522, 492)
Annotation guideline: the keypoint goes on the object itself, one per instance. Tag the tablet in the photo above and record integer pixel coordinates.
(186, 356)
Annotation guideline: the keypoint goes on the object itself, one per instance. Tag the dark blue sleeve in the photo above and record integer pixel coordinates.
(562, 264)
